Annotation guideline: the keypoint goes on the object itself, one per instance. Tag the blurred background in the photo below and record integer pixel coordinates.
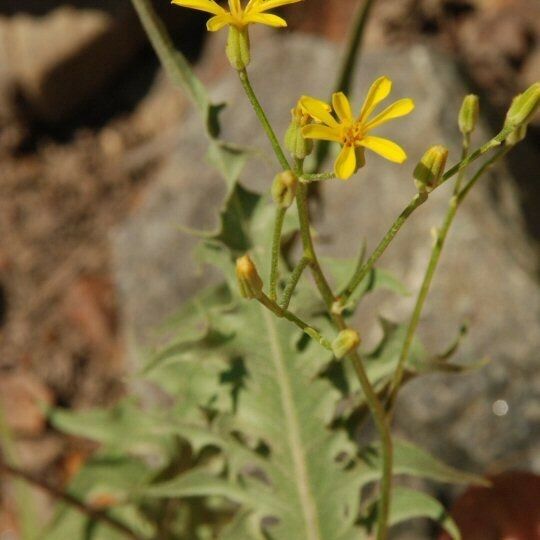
(87, 122)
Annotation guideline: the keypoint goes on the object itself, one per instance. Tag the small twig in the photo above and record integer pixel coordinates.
(286, 314)
(276, 251)
(92, 513)
(317, 177)
(293, 282)
(365, 268)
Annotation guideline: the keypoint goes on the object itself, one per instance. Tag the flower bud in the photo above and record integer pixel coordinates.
(238, 48)
(295, 143)
(346, 342)
(429, 172)
(284, 188)
(524, 106)
(249, 281)
(468, 114)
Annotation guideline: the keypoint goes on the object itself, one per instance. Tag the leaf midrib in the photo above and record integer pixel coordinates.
(307, 502)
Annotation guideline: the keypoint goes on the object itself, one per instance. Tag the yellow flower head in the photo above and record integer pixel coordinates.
(352, 132)
(237, 16)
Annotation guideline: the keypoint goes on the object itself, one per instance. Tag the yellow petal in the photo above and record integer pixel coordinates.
(319, 110)
(202, 5)
(385, 148)
(345, 163)
(218, 22)
(342, 107)
(325, 133)
(266, 5)
(264, 18)
(379, 90)
(236, 7)
(397, 109)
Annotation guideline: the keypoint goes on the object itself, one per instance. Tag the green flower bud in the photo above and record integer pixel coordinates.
(284, 189)
(468, 114)
(295, 143)
(524, 106)
(429, 172)
(346, 342)
(516, 136)
(238, 48)
(249, 281)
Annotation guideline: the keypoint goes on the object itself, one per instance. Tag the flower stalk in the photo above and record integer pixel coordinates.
(442, 235)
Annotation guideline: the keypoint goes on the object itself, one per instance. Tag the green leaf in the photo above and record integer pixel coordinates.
(123, 428)
(177, 66)
(409, 504)
(411, 460)
(244, 526)
(299, 478)
(197, 483)
(229, 160)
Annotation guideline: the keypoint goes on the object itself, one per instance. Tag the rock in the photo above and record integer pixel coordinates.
(485, 275)
(60, 59)
(22, 398)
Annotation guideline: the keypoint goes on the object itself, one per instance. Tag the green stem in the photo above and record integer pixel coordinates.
(259, 111)
(375, 405)
(417, 201)
(365, 268)
(317, 177)
(493, 143)
(286, 314)
(464, 154)
(293, 282)
(276, 251)
(309, 249)
(383, 428)
(430, 272)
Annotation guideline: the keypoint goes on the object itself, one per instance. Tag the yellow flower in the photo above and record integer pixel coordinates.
(237, 16)
(352, 132)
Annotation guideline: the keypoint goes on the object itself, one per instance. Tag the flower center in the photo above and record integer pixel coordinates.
(353, 134)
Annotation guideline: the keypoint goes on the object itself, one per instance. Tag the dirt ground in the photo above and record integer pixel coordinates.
(63, 186)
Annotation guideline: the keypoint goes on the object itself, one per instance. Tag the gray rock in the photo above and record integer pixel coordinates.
(485, 274)
(59, 59)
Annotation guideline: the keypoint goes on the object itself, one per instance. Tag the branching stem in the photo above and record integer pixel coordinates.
(293, 282)
(286, 314)
(375, 405)
(442, 235)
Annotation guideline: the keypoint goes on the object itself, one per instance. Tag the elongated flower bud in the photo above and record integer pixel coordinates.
(295, 143)
(429, 172)
(524, 106)
(346, 342)
(284, 189)
(249, 281)
(468, 114)
(237, 49)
